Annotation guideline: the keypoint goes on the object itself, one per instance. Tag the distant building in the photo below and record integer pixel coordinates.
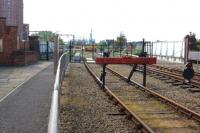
(12, 10)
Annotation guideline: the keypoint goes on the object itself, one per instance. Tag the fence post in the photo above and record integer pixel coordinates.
(113, 47)
(70, 51)
(173, 54)
(47, 54)
(166, 52)
(131, 49)
(145, 65)
(56, 53)
(92, 50)
(181, 54)
(155, 53)
(82, 51)
(161, 51)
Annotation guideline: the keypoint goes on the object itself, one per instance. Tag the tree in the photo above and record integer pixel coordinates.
(45, 36)
(121, 40)
(102, 42)
(198, 45)
(192, 41)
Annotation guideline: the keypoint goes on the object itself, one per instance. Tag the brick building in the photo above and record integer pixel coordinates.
(10, 54)
(8, 36)
(12, 10)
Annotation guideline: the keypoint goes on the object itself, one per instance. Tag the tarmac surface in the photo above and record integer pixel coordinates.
(13, 76)
(26, 109)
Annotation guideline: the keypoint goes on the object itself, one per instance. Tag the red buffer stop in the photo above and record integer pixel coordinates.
(126, 60)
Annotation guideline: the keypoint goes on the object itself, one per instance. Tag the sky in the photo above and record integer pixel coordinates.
(168, 20)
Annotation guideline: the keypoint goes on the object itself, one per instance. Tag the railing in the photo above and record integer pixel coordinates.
(53, 125)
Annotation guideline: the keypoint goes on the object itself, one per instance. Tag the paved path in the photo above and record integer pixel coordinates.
(13, 76)
(26, 109)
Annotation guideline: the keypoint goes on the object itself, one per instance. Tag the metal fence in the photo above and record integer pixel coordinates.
(114, 49)
(46, 50)
(169, 50)
(54, 124)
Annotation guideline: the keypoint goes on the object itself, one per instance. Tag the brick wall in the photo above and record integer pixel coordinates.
(24, 45)
(8, 35)
(10, 54)
(25, 57)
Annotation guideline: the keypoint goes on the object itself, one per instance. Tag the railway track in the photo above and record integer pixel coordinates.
(174, 70)
(150, 111)
(173, 76)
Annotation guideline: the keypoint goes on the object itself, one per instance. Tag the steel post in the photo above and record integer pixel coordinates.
(104, 75)
(56, 53)
(82, 51)
(113, 47)
(47, 53)
(144, 69)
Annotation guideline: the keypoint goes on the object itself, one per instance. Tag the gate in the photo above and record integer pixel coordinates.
(46, 50)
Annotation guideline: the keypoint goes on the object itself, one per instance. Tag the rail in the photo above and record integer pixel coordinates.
(53, 125)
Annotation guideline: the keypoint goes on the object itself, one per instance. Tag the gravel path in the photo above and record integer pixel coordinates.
(86, 109)
(176, 93)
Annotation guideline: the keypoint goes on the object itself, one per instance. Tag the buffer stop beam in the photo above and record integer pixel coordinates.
(125, 60)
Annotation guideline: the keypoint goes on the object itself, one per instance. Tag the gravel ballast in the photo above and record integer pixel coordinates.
(85, 108)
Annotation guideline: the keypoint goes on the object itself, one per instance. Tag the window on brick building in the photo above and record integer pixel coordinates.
(1, 45)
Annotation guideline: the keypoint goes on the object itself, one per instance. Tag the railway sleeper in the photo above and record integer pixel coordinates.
(122, 109)
(117, 114)
(109, 96)
(139, 127)
(171, 81)
(129, 116)
(152, 74)
(115, 102)
(164, 78)
(150, 95)
(185, 86)
(178, 83)
(194, 90)
(186, 113)
(159, 77)
(182, 111)
(112, 82)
